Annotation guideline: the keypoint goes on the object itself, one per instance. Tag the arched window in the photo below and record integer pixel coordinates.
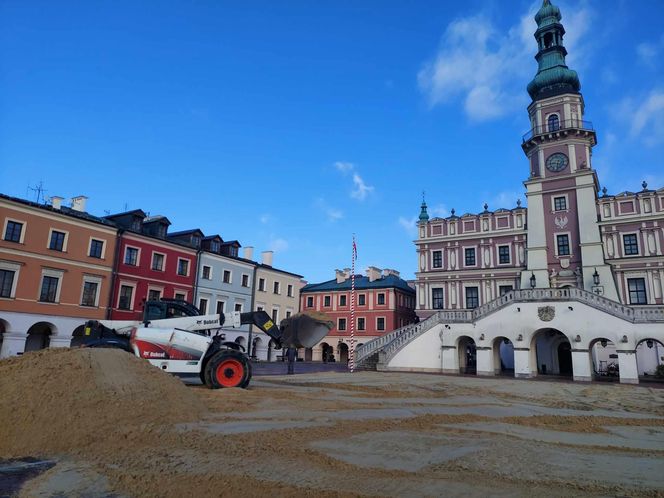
(554, 123)
(548, 40)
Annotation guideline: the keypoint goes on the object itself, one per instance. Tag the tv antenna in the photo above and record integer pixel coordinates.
(38, 191)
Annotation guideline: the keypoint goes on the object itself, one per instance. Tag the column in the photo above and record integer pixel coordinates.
(522, 366)
(12, 344)
(629, 373)
(450, 360)
(484, 360)
(581, 369)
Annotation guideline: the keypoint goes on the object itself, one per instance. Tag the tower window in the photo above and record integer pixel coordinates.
(554, 122)
(631, 245)
(548, 40)
(563, 245)
(559, 203)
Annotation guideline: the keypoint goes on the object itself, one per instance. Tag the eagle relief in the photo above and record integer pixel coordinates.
(561, 222)
(546, 313)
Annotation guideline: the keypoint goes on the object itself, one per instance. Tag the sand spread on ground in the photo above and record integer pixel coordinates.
(63, 400)
(118, 426)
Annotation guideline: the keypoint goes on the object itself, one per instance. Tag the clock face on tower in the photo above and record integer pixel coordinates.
(556, 162)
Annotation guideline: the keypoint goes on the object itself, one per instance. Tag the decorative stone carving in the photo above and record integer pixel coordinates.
(522, 254)
(561, 221)
(564, 263)
(422, 262)
(610, 246)
(546, 313)
(453, 259)
(487, 256)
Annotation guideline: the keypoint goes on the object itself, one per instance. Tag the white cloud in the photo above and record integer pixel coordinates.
(331, 213)
(344, 167)
(648, 53)
(506, 199)
(409, 225)
(487, 68)
(647, 117)
(361, 190)
(265, 218)
(278, 244)
(438, 211)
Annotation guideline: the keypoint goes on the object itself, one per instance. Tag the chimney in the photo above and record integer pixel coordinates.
(267, 257)
(248, 252)
(341, 276)
(56, 201)
(78, 203)
(373, 273)
(388, 271)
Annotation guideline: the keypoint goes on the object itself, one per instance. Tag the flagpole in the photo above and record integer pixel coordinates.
(351, 359)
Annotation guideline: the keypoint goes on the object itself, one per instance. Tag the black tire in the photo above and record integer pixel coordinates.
(227, 368)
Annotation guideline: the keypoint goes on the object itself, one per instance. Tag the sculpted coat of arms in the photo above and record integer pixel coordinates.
(546, 313)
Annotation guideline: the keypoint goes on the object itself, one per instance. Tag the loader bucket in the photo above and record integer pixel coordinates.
(305, 330)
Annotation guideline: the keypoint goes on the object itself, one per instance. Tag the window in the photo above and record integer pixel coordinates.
(57, 242)
(341, 325)
(196, 240)
(227, 276)
(126, 292)
(472, 297)
(504, 289)
(631, 245)
(96, 248)
(381, 298)
(6, 283)
(183, 267)
(361, 299)
(288, 314)
(202, 305)
(276, 289)
(554, 122)
(290, 290)
(49, 289)
(221, 305)
(131, 256)
(275, 315)
(238, 307)
(327, 301)
(438, 259)
(136, 225)
(180, 296)
(245, 280)
(214, 246)
(559, 203)
(154, 295)
(261, 284)
(342, 300)
(563, 245)
(89, 294)
(361, 324)
(310, 302)
(13, 231)
(157, 261)
(470, 256)
(637, 290)
(437, 298)
(503, 254)
(207, 272)
(380, 323)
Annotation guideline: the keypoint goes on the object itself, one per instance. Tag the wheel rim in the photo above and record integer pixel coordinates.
(229, 373)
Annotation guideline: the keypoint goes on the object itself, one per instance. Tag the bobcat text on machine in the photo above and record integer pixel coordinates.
(175, 337)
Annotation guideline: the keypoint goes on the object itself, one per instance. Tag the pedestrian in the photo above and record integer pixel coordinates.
(291, 354)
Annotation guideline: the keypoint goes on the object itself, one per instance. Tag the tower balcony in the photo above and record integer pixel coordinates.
(561, 129)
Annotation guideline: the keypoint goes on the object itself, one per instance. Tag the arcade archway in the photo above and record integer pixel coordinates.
(551, 352)
(467, 355)
(39, 336)
(503, 356)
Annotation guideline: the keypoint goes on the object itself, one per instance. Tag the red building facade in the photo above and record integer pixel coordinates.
(384, 302)
(150, 266)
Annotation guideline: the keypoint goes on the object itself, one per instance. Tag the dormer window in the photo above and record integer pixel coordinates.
(554, 122)
(136, 225)
(215, 246)
(161, 230)
(196, 240)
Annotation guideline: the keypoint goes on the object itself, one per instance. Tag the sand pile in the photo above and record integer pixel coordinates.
(64, 400)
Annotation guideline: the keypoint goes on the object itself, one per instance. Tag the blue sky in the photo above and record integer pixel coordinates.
(292, 125)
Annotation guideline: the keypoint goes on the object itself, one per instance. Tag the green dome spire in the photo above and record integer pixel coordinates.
(553, 76)
(424, 216)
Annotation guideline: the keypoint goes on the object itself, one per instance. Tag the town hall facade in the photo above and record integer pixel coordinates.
(571, 285)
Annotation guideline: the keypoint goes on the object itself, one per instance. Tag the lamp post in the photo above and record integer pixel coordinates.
(533, 280)
(596, 277)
